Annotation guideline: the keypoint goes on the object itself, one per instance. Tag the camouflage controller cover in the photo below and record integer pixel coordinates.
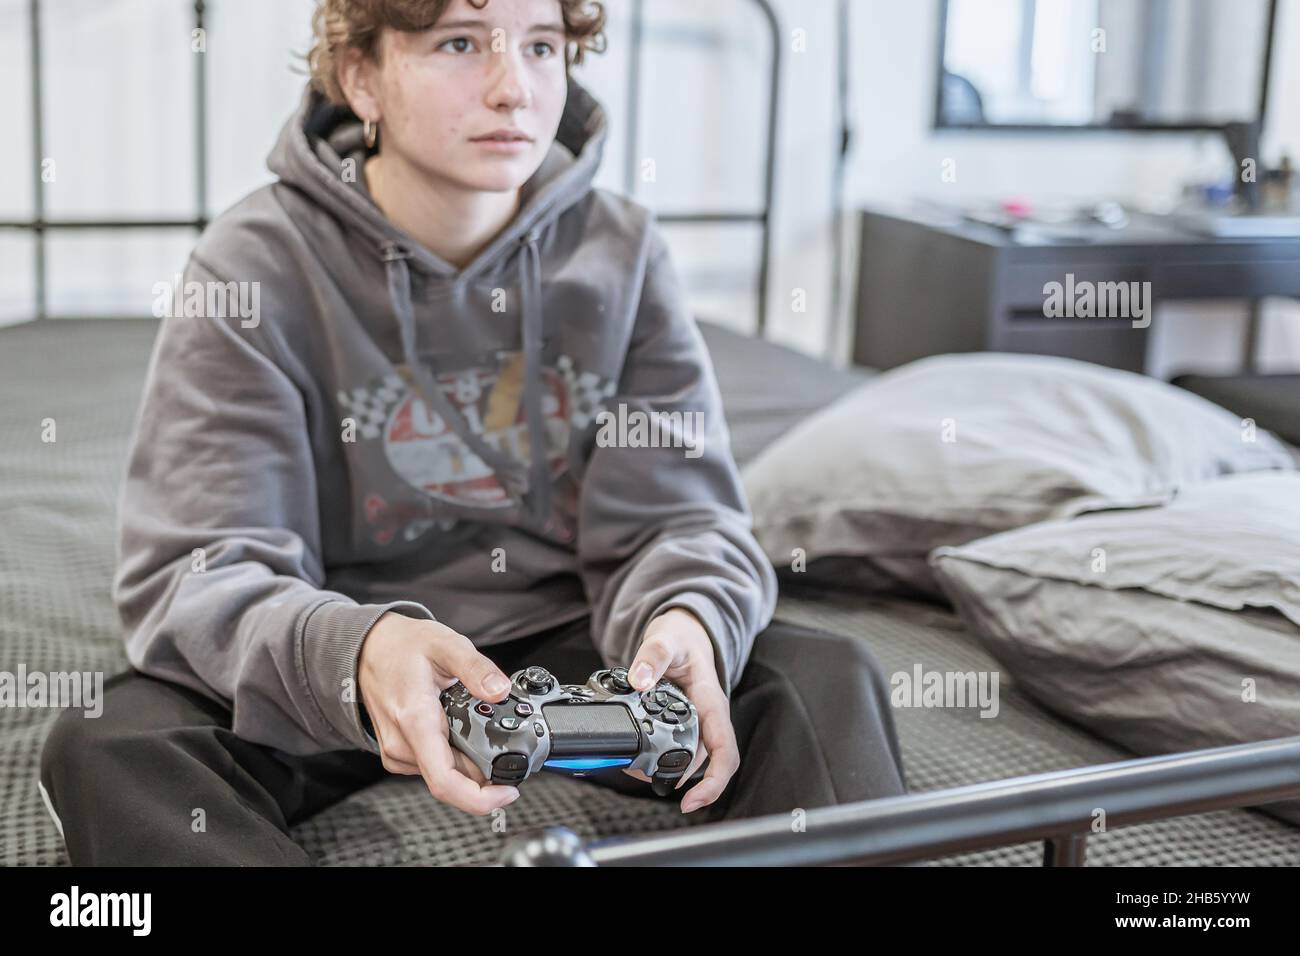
(656, 732)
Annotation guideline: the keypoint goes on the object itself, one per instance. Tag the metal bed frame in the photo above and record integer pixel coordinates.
(1060, 808)
(1057, 808)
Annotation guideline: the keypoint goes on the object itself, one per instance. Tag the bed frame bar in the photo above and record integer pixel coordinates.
(1061, 808)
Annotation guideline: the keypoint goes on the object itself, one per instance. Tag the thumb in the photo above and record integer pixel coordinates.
(650, 663)
(476, 671)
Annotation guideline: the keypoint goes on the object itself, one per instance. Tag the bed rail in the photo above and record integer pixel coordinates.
(1062, 808)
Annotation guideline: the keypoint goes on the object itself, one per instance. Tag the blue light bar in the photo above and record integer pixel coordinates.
(588, 763)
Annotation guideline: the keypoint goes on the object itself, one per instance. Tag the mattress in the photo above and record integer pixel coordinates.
(56, 559)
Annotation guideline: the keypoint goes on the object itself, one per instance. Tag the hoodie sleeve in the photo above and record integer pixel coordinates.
(219, 577)
(663, 527)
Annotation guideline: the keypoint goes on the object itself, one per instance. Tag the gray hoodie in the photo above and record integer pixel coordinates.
(361, 441)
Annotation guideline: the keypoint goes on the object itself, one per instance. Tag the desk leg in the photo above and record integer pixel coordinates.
(1250, 347)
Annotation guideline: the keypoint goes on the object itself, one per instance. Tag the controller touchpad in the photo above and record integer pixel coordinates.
(585, 729)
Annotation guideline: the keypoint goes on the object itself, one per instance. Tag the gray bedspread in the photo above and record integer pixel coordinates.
(56, 558)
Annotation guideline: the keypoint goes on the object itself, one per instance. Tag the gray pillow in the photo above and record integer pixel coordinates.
(1164, 630)
(957, 447)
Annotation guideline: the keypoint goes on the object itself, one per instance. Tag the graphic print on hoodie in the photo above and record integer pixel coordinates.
(367, 445)
(427, 452)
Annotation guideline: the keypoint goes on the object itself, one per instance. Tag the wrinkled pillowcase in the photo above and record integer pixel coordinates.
(957, 447)
(1163, 630)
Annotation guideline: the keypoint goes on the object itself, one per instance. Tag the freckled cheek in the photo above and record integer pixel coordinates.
(452, 128)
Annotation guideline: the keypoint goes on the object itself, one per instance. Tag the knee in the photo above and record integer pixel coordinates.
(858, 667)
(69, 739)
(87, 745)
(824, 661)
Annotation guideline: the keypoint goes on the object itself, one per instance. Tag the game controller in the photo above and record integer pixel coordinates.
(576, 729)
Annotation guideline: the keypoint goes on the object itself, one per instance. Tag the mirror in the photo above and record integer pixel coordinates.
(1127, 64)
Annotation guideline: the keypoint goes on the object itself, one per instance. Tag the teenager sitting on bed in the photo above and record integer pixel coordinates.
(390, 478)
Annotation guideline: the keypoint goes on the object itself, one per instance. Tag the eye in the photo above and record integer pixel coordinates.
(543, 49)
(457, 44)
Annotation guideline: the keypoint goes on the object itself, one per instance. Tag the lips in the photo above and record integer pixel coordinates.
(504, 136)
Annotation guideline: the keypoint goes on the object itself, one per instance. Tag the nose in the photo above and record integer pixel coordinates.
(509, 89)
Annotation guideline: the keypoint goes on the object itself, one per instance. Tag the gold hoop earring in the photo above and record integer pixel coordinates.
(371, 133)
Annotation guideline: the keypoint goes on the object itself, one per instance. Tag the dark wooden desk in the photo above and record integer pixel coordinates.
(930, 286)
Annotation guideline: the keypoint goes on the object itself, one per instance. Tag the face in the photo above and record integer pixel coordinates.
(475, 101)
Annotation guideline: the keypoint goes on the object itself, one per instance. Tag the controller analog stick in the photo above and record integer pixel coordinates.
(617, 681)
(537, 680)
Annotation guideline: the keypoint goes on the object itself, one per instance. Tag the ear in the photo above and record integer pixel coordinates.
(359, 79)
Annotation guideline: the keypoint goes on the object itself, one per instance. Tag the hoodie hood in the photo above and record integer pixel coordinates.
(310, 156)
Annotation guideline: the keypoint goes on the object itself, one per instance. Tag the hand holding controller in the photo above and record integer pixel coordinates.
(575, 729)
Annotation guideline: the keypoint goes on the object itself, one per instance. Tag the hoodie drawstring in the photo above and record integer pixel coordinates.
(538, 446)
(530, 490)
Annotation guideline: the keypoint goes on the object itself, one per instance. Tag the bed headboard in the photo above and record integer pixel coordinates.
(761, 217)
(40, 224)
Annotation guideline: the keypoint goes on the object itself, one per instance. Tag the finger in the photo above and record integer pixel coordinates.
(460, 760)
(701, 754)
(393, 752)
(468, 767)
(458, 655)
(720, 738)
(653, 658)
(442, 775)
(452, 787)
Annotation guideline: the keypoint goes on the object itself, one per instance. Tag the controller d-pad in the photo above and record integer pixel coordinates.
(679, 709)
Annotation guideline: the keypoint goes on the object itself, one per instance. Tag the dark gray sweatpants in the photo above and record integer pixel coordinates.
(811, 714)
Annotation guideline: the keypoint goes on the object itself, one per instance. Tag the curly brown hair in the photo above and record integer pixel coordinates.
(338, 24)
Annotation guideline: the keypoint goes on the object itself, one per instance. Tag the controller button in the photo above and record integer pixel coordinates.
(538, 728)
(524, 709)
(484, 708)
(652, 708)
(662, 699)
(674, 760)
(649, 726)
(668, 717)
(509, 768)
(680, 709)
(509, 723)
